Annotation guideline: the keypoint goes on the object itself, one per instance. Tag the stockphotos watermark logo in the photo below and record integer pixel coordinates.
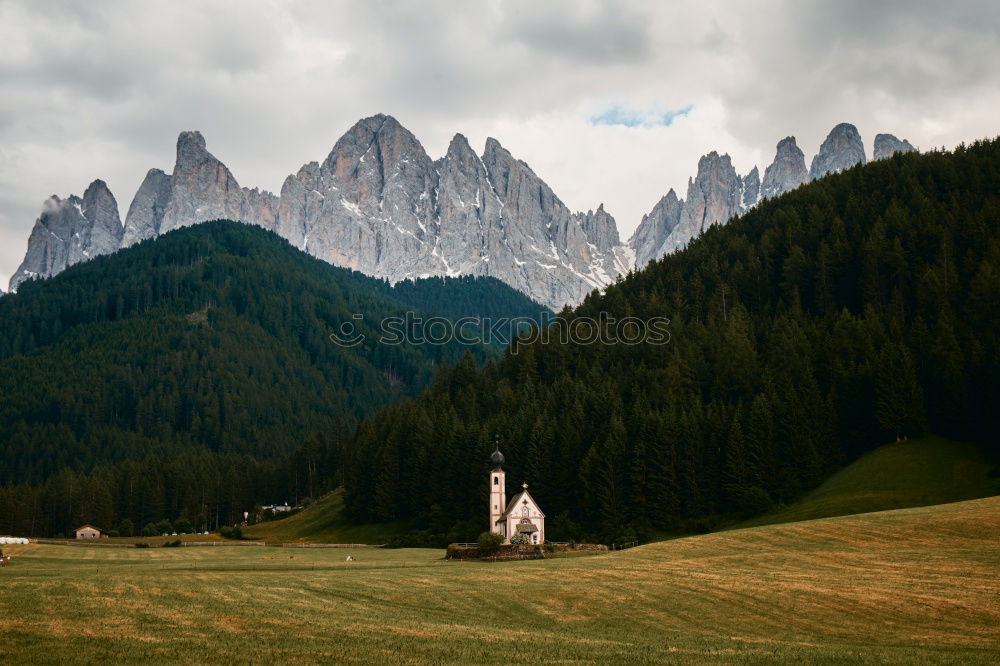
(414, 329)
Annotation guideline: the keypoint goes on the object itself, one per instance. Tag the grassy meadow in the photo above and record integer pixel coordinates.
(916, 585)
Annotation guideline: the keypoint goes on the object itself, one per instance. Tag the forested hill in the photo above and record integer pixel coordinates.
(212, 337)
(854, 310)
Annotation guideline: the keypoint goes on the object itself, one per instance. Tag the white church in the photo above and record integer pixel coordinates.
(521, 516)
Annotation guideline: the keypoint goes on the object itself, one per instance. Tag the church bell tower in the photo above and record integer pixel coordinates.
(498, 493)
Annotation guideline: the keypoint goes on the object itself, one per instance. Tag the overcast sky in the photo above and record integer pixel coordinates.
(608, 102)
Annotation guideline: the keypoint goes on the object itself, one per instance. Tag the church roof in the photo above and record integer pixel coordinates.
(515, 500)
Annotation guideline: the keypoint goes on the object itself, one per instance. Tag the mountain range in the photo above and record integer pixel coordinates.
(379, 204)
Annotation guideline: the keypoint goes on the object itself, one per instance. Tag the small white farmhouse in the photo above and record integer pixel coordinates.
(521, 515)
(89, 532)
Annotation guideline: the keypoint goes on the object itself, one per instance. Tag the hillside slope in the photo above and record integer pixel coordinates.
(323, 522)
(918, 472)
(851, 311)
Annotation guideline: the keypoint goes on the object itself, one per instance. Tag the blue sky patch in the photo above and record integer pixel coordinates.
(621, 115)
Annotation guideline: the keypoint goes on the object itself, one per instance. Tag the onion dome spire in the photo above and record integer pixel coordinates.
(497, 458)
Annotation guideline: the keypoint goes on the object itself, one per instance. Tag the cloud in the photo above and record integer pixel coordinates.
(604, 33)
(620, 115)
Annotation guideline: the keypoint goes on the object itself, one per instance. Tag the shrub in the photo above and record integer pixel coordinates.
(142, 544)
(183, 526)
(234, 532)
(172, 544)
(519, 539)
(149, 530)
(165, 527)
(489, 541)
(126, 528)
(114, 533)
(752, 501)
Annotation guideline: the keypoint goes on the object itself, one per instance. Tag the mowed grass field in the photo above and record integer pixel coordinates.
(909, 586)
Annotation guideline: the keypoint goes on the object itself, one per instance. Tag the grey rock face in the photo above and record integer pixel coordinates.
(380, 205)
(103, 235)
(650, 237)
(786, 172)
(717, 193)
(841, 150)
(368, 206)
(751, 188)
(202, 188)
(887, 144)
(259, 207)
(714, 196)
(70, 231)
(145, 214)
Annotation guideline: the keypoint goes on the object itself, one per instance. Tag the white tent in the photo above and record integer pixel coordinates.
(12, 541)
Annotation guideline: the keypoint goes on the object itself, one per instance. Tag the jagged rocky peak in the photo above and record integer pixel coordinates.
(600, 228)
(145, 213)
(299, 202)
(653, 232)
(841, 150)
(69, 231)
(100, 209)
(714, 196)
(786, 172)
(191, 148)
(469, 212)
(369, 206)
(886, 145)
(260, 207)
(376, 152)
(717, 193)
(751, 188)
(202, 188)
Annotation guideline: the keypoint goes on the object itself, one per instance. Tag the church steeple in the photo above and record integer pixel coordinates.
(498, 491)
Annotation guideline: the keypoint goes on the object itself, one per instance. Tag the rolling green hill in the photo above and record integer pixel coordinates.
(323, 522)
(914, 586)
(195, 376)
(918, 472)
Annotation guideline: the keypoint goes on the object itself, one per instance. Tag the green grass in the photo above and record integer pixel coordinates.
(323, 522)
(919, 472)
(915, 586)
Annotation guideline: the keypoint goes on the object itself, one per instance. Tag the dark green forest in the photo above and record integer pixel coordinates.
(206, 350)
(852, 311)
